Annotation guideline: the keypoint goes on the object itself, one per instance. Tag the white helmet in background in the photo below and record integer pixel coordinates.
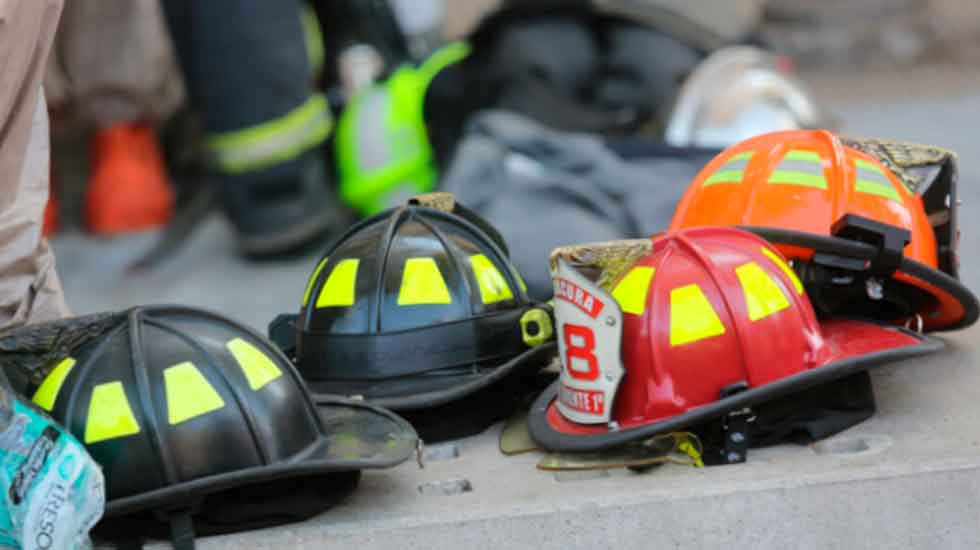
(738, 92)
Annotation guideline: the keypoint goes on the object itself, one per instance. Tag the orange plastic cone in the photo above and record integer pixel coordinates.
(128, 189)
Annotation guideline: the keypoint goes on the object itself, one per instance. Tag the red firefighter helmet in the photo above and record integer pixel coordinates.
(697, 324)
(871, 223)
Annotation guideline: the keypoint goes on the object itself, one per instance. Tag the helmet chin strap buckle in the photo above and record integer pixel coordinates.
(890, 241)
(736, 432)
(735, 428)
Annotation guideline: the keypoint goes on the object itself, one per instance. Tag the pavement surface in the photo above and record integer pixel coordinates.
(908, 478)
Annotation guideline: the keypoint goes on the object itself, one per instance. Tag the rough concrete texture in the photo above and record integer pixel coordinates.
(905, 479)
(909, 478)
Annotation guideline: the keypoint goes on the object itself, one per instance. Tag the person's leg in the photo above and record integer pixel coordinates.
(248, 75)
(113, 60)
(29, 287)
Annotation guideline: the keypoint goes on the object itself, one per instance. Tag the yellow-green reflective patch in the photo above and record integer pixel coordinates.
(798, 178)
(691, 316)
(785, 267)
(880, 189)
(189, 394)
(869, 166)
(809, 156)
(338, 291)
(47, 394)
(724, 176)
(731, 171)
(631, 292)
(422, 283)
(493, 286)
(258, 368)
(109, 414)
(763, 296)
(309, 285)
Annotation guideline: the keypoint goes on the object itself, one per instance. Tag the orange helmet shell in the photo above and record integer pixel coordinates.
(804, 181)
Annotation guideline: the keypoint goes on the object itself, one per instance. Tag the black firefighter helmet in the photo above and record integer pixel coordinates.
(198, 422)
(415, 309)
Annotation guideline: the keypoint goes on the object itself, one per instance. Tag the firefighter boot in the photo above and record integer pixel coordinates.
(284, 208)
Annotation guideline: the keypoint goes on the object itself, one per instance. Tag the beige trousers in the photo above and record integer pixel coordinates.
(112, 61)
(29, 288)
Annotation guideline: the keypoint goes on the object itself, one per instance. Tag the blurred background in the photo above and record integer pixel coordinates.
(207, 153)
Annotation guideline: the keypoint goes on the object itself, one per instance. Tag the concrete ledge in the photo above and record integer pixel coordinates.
(909, 478)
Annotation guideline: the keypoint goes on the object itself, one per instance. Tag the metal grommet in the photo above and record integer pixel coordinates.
(918, 323)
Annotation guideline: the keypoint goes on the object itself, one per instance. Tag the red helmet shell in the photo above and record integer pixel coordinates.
(711, 312)
(708, 346)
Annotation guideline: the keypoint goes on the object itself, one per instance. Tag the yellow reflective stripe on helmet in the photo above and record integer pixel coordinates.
(338, 291)
(763, 297)
(189, 394)
(691, 316)
(47, 393)
(258, 368)
(800, 167)
(797, 178)
(785, 267)
(109, 414)
(316, 273)
(422, 283)
(631, 292)
(872, 172)
(493, 286)
(865, 165)
(872, 180)
(873, 188)
(800, 154)
(732, 171)
(274, 141)
(724, 176)
(536, 327)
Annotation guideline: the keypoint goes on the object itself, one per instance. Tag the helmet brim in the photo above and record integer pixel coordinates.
(400, 395)
(856, 346)
(357, 437)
